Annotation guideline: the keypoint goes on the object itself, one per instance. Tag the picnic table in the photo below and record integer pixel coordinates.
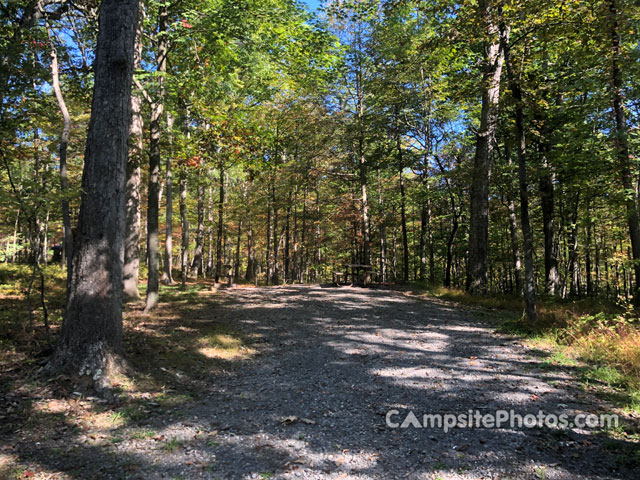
(356, 272)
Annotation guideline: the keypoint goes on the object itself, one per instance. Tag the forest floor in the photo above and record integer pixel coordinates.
(296, 382)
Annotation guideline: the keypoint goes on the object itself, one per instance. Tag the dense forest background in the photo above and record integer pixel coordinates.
(483, 145)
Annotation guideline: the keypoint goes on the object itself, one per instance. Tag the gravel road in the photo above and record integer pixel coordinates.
(334, 361)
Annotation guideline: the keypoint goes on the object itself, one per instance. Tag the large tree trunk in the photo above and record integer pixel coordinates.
(479, 217)
(622, 148)
(153, 191)
(91, 337)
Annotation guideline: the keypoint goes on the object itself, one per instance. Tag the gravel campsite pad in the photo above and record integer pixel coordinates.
(329, 364)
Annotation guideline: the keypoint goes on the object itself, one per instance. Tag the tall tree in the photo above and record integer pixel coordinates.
(91, 338)
(153, 199)
(622, 144)
(493, 56)
(131, 267)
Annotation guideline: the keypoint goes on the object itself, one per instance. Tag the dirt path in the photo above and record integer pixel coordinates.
(332, 362)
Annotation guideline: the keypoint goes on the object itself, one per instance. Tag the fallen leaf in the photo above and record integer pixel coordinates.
(289, 420)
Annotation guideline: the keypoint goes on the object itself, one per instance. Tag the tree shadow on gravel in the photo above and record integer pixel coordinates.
(286, 381)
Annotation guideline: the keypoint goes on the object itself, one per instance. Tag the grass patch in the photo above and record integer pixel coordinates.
(143, 434)
(173, 445)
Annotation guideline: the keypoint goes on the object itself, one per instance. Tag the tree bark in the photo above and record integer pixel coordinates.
(269, 231)
(153, 200)
(287, 245)
(91, 337)
(130, 277)
(275, 280)
(209, 267)
(551, 277)
(573, 249)
(197, 265)
(220, 234)
(513, 232)
(184, 220)
(236, 266)
(403, 212)
(383, 232)
(476, 282)
(67, 244)
(621, 143)
(527, 233)
(167, 276)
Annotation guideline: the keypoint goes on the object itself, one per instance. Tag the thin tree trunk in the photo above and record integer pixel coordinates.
(184, 254)
(587, 256)
(67, 244)
(251, 261)
(422, 253)
(527, 234)
(197, 265)
(153, 191)
(236, 262)
(362, 167)
(287, 246)
(303, 236)
(276, 241)
(269, 234)
(130, 274)
(221, 191)
(209, 268)
(573, 252)
(548, 222)
(513, 233)
(403, 213)
(383, 231)
(167, 276)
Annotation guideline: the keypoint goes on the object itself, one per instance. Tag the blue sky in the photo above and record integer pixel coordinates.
(313, 4)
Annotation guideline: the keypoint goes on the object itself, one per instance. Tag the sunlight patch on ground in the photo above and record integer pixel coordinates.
(224, 347)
